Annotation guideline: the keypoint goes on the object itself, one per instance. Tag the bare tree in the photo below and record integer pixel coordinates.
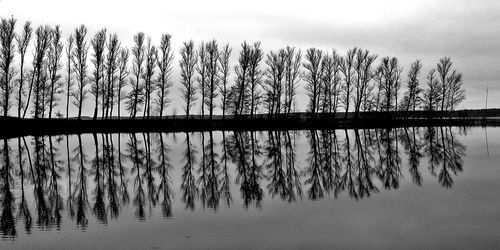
(134, 98)
(363, 76)
(456, 92)
(187, 64)
(149, 70)
(444, 71)
(69, 83)
(80, 66)
(165, 60)
(412, 97)
(42, 44)
(255, 76)
(202, 75)
(390, 78)
(54, 65)
(123, 73)
(450, 85)
(273, 83)
(98, 45)
(327, 83)
(7, 52)
(293, 59)
(241, 70)
(111, 67)
(23, 41)
(224, 76)
(347, 68)
(431, 98)
(313, 76)
(212, 75)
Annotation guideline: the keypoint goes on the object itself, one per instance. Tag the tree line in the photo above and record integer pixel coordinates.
(141, 77)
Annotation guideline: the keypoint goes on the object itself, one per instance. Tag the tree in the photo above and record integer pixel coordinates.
(390, 82)
(313, 76)
(444, 70)
(273, 84)
(450, 85)
(149, 86)
(23, 41)
(98, 45)
(212, 75)
(431, 98)
(412, 97)
(240, 92)
(164, 61)
(202, 75)
(187, 64)
(456, 92)
(43, 36)
(224, 75)
(327, 83)
(123, 73)
(54, 65)
(292, 76)
(363, 76)
(111, 67)
(347, 68)
(134, 98)
(7, 52)
(80, 66)
(254, 76)
(69, 83)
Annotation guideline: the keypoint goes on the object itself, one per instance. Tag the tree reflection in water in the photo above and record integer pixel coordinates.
(61, 170)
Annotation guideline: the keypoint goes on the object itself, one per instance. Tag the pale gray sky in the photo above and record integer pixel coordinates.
(467, 31)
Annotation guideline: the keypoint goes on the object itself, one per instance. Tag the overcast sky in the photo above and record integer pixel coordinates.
(466, 31)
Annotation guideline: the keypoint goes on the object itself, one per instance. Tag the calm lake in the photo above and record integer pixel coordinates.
(384, 188)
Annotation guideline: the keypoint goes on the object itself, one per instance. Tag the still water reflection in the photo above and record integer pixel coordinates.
(92, 189)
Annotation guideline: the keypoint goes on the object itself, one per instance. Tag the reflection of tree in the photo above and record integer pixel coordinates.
(56, 203)
(225, 183)
(413, 146)
(188, 186)
(164, 169)
(111, 171)
(150, 167)
(7, 221)
(213, 175)
(452, 153)
(389, 170)
(136, 155)
(80, 193)
(314, 170)
(23, 208)
(293, 184)
(99, 209)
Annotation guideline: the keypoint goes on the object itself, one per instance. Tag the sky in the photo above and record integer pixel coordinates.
(467, 31)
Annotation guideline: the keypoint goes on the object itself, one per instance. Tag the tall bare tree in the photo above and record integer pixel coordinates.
(7, 52)
(293, 60)
(111, 67)
(54, 66)
(149, 71)
(212, 75)
(255, 76)
(313, 76)
(188, 64)
(412, 96)
(450, 85)
(164, 61)
(431, 98)
(224, 76)
(347, 68)
(42, 44)
(23, 41)
(241, 70)
(80, 66)
(69, 83)
(363, 76)
(201, 69)
(390, 74)
(134, 98)
(123, 74)
(98, 43)
(274, 81)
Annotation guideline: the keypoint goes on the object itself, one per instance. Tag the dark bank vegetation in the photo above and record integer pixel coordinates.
(67, 71)
(50, 181)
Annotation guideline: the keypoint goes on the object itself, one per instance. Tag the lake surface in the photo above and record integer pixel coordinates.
(383, 188)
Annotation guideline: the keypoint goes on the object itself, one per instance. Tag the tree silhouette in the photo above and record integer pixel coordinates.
(273, 84)
(254, 76)
(164, 61)
(313, 75)
(123, 74)
(80, 66)
(7, 53)
(134, 98)
(347, 64)
(212, 75)
(149, 86)
(69, 83)
(43, 36)
(98, 44)
(224, 71)
(411, 98)
(431, 98)
(363, 75)
(293, 59)
(201, 69)
(240, 89)
(187, 64)
(111, 67)
(23, 41)
(54, 65)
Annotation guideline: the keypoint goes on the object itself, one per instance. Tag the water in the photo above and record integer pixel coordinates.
(408, 187)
